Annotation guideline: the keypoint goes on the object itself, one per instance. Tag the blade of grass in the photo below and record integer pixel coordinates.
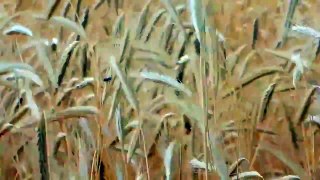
(42, 149)
(18, 29)
(68, 24)
(160, 78)
(65, 60)
(44, 59)
(174, 15)
(295, 167)
(288, 21)
(118, 26)
(142, 21)
(124, 84)
(52, 8)
(169, 153)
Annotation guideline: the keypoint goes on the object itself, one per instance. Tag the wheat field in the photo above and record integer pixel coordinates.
(159, 89)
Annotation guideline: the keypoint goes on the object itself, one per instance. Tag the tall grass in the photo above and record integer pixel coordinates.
(170, 89)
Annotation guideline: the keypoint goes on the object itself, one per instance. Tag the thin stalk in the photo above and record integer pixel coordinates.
(204, 100)
(92, 165)
(180, 162)
(307, 155)
(145, 151)
(258, 147)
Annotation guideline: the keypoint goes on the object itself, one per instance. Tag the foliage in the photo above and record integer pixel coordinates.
(171, 89)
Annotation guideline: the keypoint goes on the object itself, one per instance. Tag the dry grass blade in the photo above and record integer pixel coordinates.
(118, 26)
(266, 98)
(260, 73)
(98, 4)
(289, 177)
(121, 134)
(19, 115)
(174, 15)
(114, 103)
(247, 175)
(233, 58)
(86, 82)
(52, 7)
(66, 8)
(35, 111)
(119, 124)
(281, 54)
(254, 76)
(197, 17)
(132, 125)
(142, 21)
(176, 89)
(124, 45)
(219, 160)
(85, 99)
(83, 161)
(154, 19)
(84, 20)
(168, 155)
(288, 22)
(124, 84)
(297, 74)
(246, 62)
(71, 112)
(138, 152)
(77, 111)
(156, 104)
(65, 60)
(68, 24)
(303, 110)
(83, 123)
(191, 110)
(295, 167)
(63, 96)
(44, 59)
(234, 166)
(28, 75)
(42, 149)
(18, 29)
(166, 35)
(78, 7)
(160, 78)
(8, 66)
(157, 58)
(64, 13)
(5, 20)
(134, 142)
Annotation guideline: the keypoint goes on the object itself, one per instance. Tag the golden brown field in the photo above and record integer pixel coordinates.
(159, 89)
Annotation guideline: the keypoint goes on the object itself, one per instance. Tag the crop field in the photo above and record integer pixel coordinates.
(159, 89)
